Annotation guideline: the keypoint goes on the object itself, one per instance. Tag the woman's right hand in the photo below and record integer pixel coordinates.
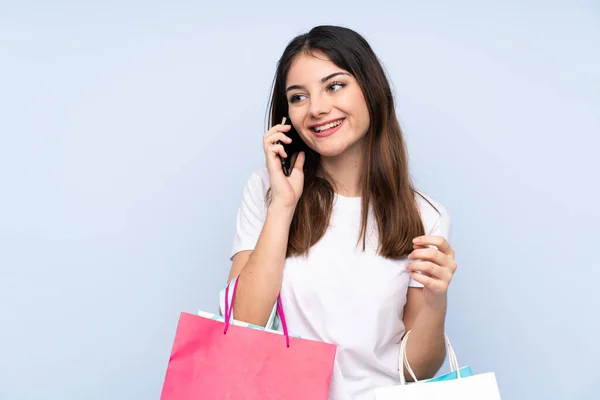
(285, 190)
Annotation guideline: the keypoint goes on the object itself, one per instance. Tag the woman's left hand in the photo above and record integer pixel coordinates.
(437, 266)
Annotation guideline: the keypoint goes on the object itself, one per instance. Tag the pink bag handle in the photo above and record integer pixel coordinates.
(229, 311)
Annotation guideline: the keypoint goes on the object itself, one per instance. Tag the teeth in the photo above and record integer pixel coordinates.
(328, 126)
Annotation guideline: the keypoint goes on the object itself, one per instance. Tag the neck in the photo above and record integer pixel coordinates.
(345, 170)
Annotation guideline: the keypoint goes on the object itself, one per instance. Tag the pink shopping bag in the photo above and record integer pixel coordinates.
(216, 360)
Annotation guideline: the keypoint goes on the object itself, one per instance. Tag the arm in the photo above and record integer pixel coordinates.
(261, 271)
(426, 348)
(425, 309)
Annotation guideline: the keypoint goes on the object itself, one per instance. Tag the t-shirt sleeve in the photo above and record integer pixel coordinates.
(251, 215)
(442, 227)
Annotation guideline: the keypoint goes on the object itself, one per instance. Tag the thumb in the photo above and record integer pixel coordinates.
(299, 164)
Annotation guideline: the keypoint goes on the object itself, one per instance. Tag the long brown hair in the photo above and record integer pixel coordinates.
(385, 180)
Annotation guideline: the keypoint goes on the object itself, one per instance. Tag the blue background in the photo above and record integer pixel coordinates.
(129, 128)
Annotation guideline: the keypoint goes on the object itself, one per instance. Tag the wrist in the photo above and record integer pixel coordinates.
(281, 212)
(436, 306)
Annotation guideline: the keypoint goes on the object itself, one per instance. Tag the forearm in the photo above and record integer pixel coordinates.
(426, 348)
(259, 282)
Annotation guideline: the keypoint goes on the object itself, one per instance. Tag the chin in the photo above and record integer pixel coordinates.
(332, 150)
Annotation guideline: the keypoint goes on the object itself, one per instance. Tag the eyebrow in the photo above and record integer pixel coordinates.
(328, 77)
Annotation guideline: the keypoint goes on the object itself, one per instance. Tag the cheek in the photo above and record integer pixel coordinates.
(356, 104)
(367, 122)
(362, 104)
(296, 117)
(363, 113)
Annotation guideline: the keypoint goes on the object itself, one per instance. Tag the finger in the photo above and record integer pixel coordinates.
(430, 254)
(430, 269)
(299, 163)
(435, 285)
(435, 256)
(275, 137)
(438, 241)
(278, 128)
(278, 149)
(425, 280)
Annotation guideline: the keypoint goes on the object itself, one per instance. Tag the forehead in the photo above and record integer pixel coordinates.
(310, 68)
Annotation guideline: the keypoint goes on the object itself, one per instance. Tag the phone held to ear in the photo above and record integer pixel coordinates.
(297, 145)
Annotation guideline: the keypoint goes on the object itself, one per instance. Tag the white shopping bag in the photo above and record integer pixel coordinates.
(476, 387)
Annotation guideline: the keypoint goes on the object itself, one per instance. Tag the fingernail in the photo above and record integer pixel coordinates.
(416, 240)
(410, 256)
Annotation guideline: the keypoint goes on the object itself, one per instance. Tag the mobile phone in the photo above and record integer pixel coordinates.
(297, 145)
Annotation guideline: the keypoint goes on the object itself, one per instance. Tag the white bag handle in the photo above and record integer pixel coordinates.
(403, 360)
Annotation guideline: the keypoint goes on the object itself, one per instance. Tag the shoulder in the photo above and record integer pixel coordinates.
(256, 186)
(259, 179)
(434, 215)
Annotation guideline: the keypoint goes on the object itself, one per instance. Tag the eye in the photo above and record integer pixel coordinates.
(295, 98)
(335, 86)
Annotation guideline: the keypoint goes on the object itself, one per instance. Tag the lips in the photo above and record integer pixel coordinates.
(327, 128)
(332, 123)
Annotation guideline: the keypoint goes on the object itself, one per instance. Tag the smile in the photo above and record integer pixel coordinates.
(327, 128)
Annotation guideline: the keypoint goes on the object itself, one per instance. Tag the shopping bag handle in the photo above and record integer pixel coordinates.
(229, 312)
(403, 359)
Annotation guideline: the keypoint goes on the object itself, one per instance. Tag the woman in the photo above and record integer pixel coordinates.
(359, 256)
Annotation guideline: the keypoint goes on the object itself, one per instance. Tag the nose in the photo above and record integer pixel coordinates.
(319, 105)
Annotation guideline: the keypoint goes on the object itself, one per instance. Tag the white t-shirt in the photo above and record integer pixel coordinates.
(340, 294)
